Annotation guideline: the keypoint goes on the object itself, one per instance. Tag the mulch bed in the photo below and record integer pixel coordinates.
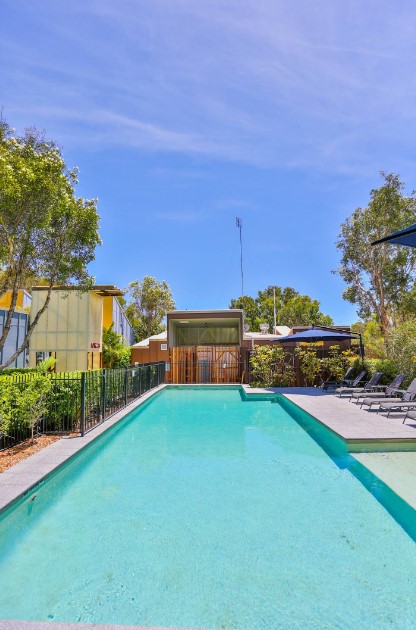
(16, 454)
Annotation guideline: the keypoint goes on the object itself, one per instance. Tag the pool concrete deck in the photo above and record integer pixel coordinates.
(360, 429)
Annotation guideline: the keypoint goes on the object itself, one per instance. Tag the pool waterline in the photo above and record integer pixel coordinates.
(261, 438)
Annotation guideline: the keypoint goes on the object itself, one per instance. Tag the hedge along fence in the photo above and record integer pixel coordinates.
(274, 366)
(37, 403)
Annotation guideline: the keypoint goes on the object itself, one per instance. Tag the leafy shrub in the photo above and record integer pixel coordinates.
(63, 411)
(389, 367)
(22, 406)
(115, 353)
(401, 345)
(310, 364)
(271, 367)
(335, 364)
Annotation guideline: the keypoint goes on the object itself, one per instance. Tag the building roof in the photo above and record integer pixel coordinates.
(210, 311)
(163, 336)
(281, 331)
(100, 289)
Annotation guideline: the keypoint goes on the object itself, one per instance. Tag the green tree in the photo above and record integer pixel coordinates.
(292, 309)
(115, 352)
(380, 278)
(374, 342)
(301, 310)
(148, 303)
(45, 230)
(251, 311)
(401, 347)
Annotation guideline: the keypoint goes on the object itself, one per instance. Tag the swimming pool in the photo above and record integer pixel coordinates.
(205, 509)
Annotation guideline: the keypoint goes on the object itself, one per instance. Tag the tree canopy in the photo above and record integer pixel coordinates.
(115, 352)
(380, 279)
(148, 302)
(46, 231)
(292, 309)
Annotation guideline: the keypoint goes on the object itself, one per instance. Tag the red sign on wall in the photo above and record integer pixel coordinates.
(95, 345)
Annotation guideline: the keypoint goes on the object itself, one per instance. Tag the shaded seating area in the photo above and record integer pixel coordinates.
(381, 391)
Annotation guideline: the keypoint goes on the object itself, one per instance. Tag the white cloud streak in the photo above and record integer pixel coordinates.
(328, 85)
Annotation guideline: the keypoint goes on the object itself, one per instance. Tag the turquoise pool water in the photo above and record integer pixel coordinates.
(206, 510)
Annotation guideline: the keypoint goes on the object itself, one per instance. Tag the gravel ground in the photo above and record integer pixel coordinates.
(12, 456)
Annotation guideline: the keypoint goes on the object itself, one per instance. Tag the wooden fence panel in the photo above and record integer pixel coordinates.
(205, 364)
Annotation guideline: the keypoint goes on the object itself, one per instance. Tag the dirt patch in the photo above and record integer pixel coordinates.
(16, 454)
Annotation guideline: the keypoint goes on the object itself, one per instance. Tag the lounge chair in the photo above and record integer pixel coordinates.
(355, 385)
(389, 391)
(409, 414)
(406, 402)
(334, 384)
(369, 387)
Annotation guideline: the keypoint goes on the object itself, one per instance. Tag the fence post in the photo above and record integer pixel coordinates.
(104, 393)
(83, 382)
(126, 376)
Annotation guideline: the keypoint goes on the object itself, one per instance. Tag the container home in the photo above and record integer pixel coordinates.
(70, 330)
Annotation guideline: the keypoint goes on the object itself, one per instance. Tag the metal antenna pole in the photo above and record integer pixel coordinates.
(239, 224)
(274, 310)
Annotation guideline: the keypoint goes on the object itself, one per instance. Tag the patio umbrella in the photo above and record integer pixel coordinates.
(316, 334)
(401, 237)
(312, 335)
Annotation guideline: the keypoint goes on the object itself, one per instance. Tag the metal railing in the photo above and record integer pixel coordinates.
(80, 402)
(103, 394)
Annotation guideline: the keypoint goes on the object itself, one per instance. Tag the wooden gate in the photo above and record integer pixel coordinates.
(205, 364)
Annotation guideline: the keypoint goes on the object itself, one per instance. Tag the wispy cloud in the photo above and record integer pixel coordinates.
(270, 83)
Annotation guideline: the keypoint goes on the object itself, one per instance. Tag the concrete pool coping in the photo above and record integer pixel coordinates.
(360, 429)
(27, 474)
(383, 445)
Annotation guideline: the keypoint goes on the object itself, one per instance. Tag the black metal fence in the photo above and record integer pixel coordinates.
(78, 402)
(104, 393)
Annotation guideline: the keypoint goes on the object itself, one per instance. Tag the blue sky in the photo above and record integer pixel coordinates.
(183, 114)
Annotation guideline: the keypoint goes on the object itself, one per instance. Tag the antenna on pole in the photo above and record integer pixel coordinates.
(274, 310)
(239, 224)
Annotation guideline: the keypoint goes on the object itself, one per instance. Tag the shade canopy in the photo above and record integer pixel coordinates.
(401, 237)
(315, 334)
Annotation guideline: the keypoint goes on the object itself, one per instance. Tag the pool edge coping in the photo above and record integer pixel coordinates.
(19, 480)
(353, 444)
